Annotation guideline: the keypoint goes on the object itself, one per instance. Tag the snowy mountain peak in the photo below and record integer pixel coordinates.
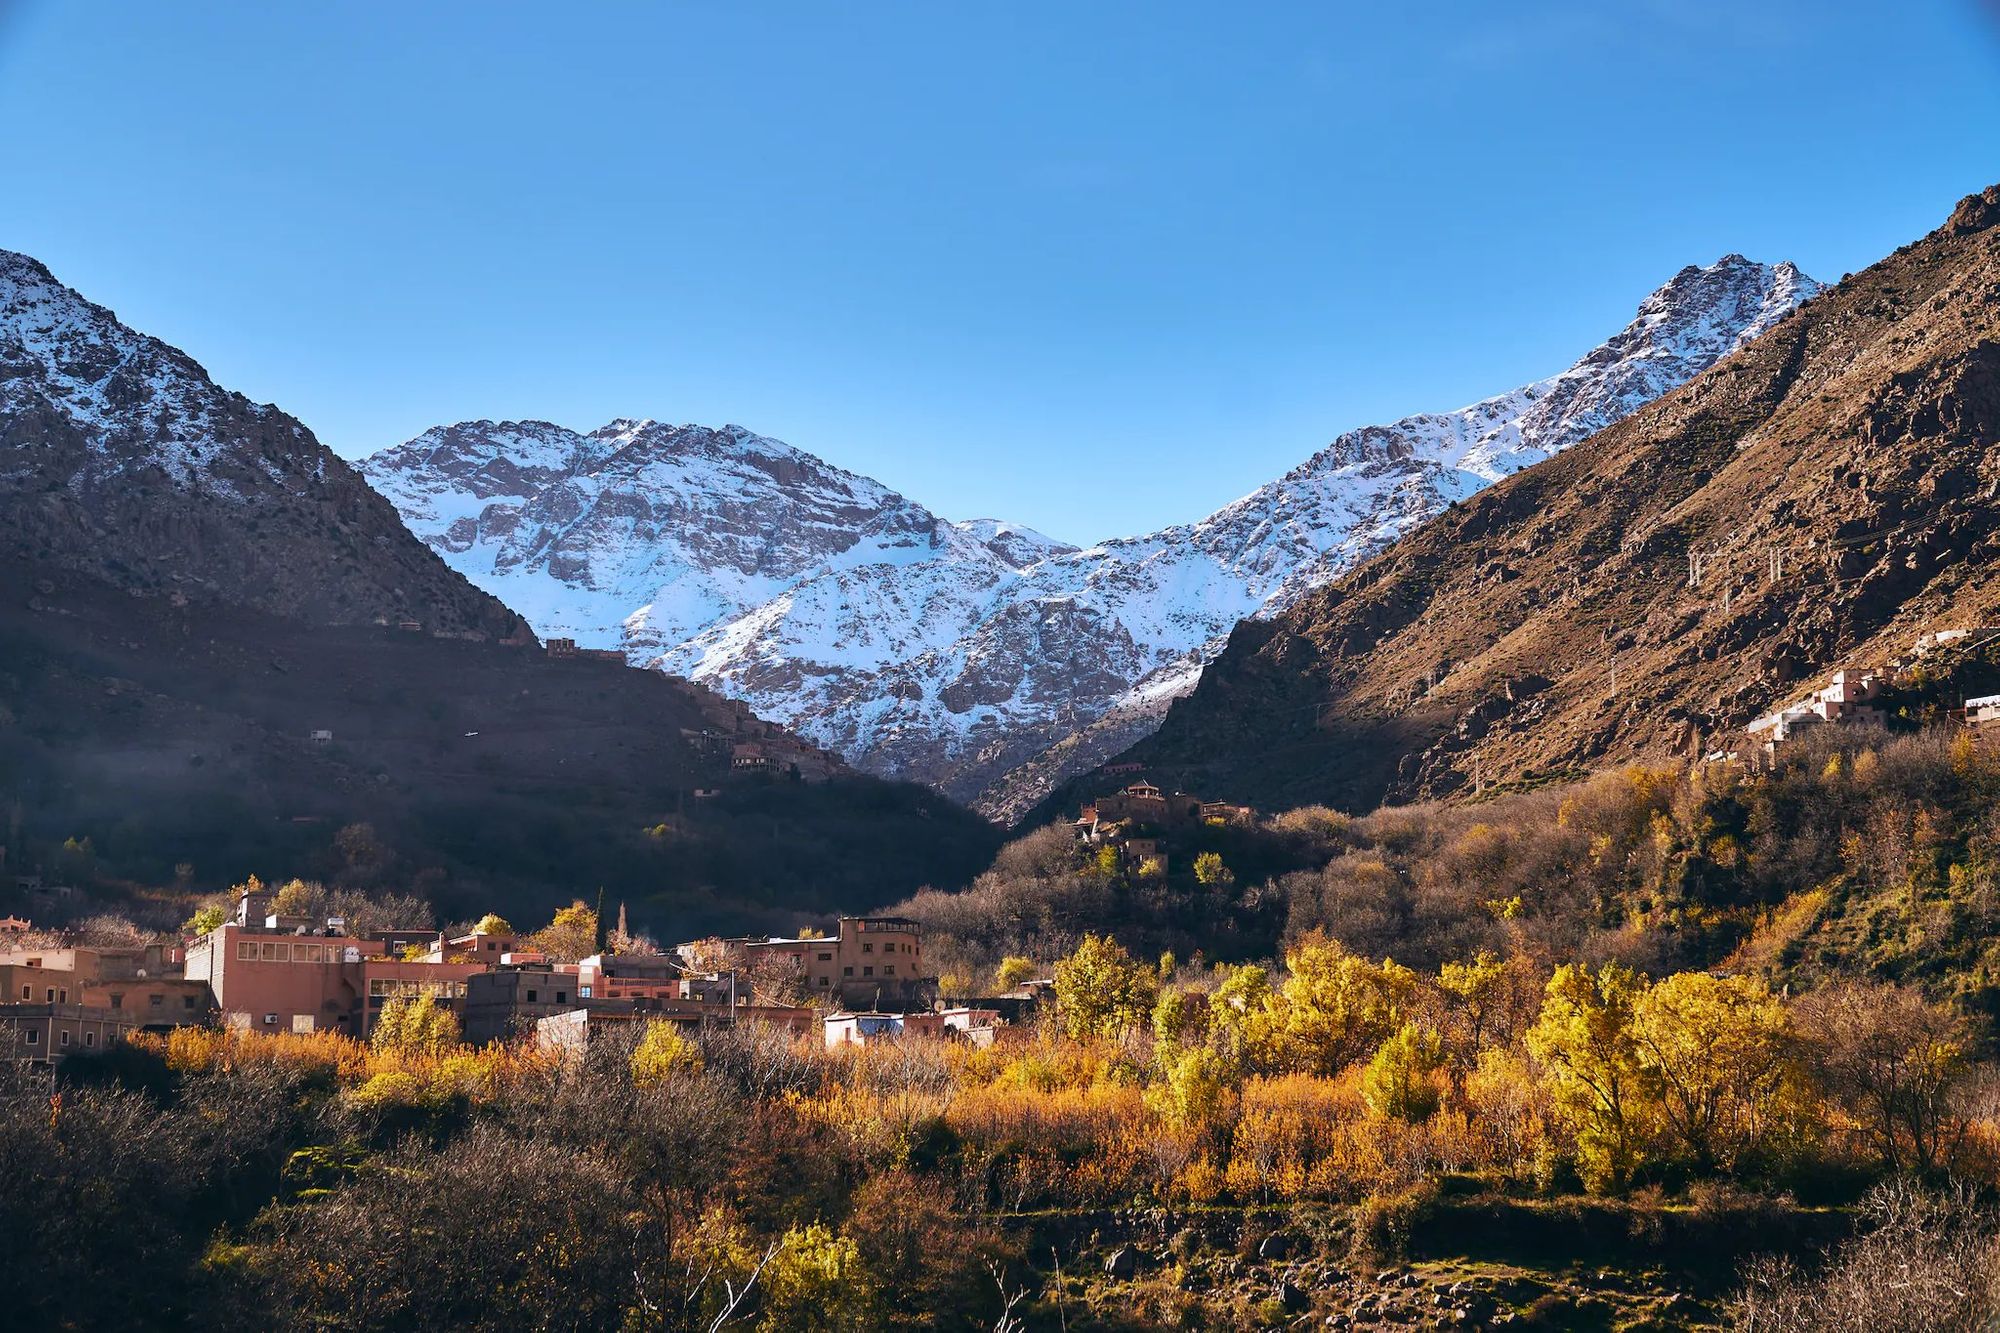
(121, 458)
(981, 656)
(137, 401)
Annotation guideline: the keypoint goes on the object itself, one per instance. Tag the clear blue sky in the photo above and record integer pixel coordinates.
(1096, 267)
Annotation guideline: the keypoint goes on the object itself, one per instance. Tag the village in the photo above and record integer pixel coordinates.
(266, 972)
(1858, 697)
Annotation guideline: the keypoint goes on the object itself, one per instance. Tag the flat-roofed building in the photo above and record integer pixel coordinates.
(48, 1033)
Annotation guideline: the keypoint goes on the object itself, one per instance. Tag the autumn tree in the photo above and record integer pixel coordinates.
(662, 1053)
(570, 937)
(1400, 1082)
(415, 1024)
(1716, 1050)
(1101, 991)
(1895, 1062)
(1583, 1041)
(1334, 1008)
(1208, 869)
(295, 898)
(1013, 971)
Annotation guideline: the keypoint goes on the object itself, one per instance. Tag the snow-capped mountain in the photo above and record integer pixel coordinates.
(121, 458)
(978, 657)
(640, 535)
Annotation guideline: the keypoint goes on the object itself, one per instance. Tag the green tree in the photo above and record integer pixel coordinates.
(1014, 970)
(204, 920)
(492, 924)
(1208, 869)
(1101, 991)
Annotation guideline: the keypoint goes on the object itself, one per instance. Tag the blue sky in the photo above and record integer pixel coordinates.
(1095, 267)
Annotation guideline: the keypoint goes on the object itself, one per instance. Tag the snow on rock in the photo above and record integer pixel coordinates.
(979, 656)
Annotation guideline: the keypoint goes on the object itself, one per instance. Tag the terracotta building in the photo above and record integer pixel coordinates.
(873, 961)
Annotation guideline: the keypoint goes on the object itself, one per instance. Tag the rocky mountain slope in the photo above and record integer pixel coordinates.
(121, 458)
(983, 660)
(191, 585)
(1836, 478)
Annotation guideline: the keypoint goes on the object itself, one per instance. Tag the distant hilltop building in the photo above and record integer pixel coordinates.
(565, 650)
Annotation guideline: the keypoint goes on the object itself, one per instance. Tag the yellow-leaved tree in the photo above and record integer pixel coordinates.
(1334, 1008)
(415, 1025)
(571, 936)
(1101, 991)
(1590, 1062)
(662, 1053)
(1723, 1079)
(1401, 1082)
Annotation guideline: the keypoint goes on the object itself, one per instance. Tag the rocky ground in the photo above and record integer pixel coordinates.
(1475, 1262)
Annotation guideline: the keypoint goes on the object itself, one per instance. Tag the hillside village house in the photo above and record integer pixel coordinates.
(872, 961)
(1849, 699)
(507, 1001)
(47, 1033)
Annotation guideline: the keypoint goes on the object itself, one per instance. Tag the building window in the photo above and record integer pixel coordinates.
(65, 994)
(531, 996)
(27, 993)
(867, 971)
(51, 995)
(847, 971)
(826, 981)
(826, 958)
(889, 971)
(90, 1039)
(562, 997)
(187, 1001)
(65, 1036)
(868, 948)
(34, 1037)
(246, 950)
(154, 1002)
(270, 1020)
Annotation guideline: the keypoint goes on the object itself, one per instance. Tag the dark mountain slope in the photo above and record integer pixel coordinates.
(494, 777)
(191, 584)
(1836, 479)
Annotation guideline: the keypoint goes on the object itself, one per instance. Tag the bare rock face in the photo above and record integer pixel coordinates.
(980, 657)
(1833, 479)
(121, 458)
